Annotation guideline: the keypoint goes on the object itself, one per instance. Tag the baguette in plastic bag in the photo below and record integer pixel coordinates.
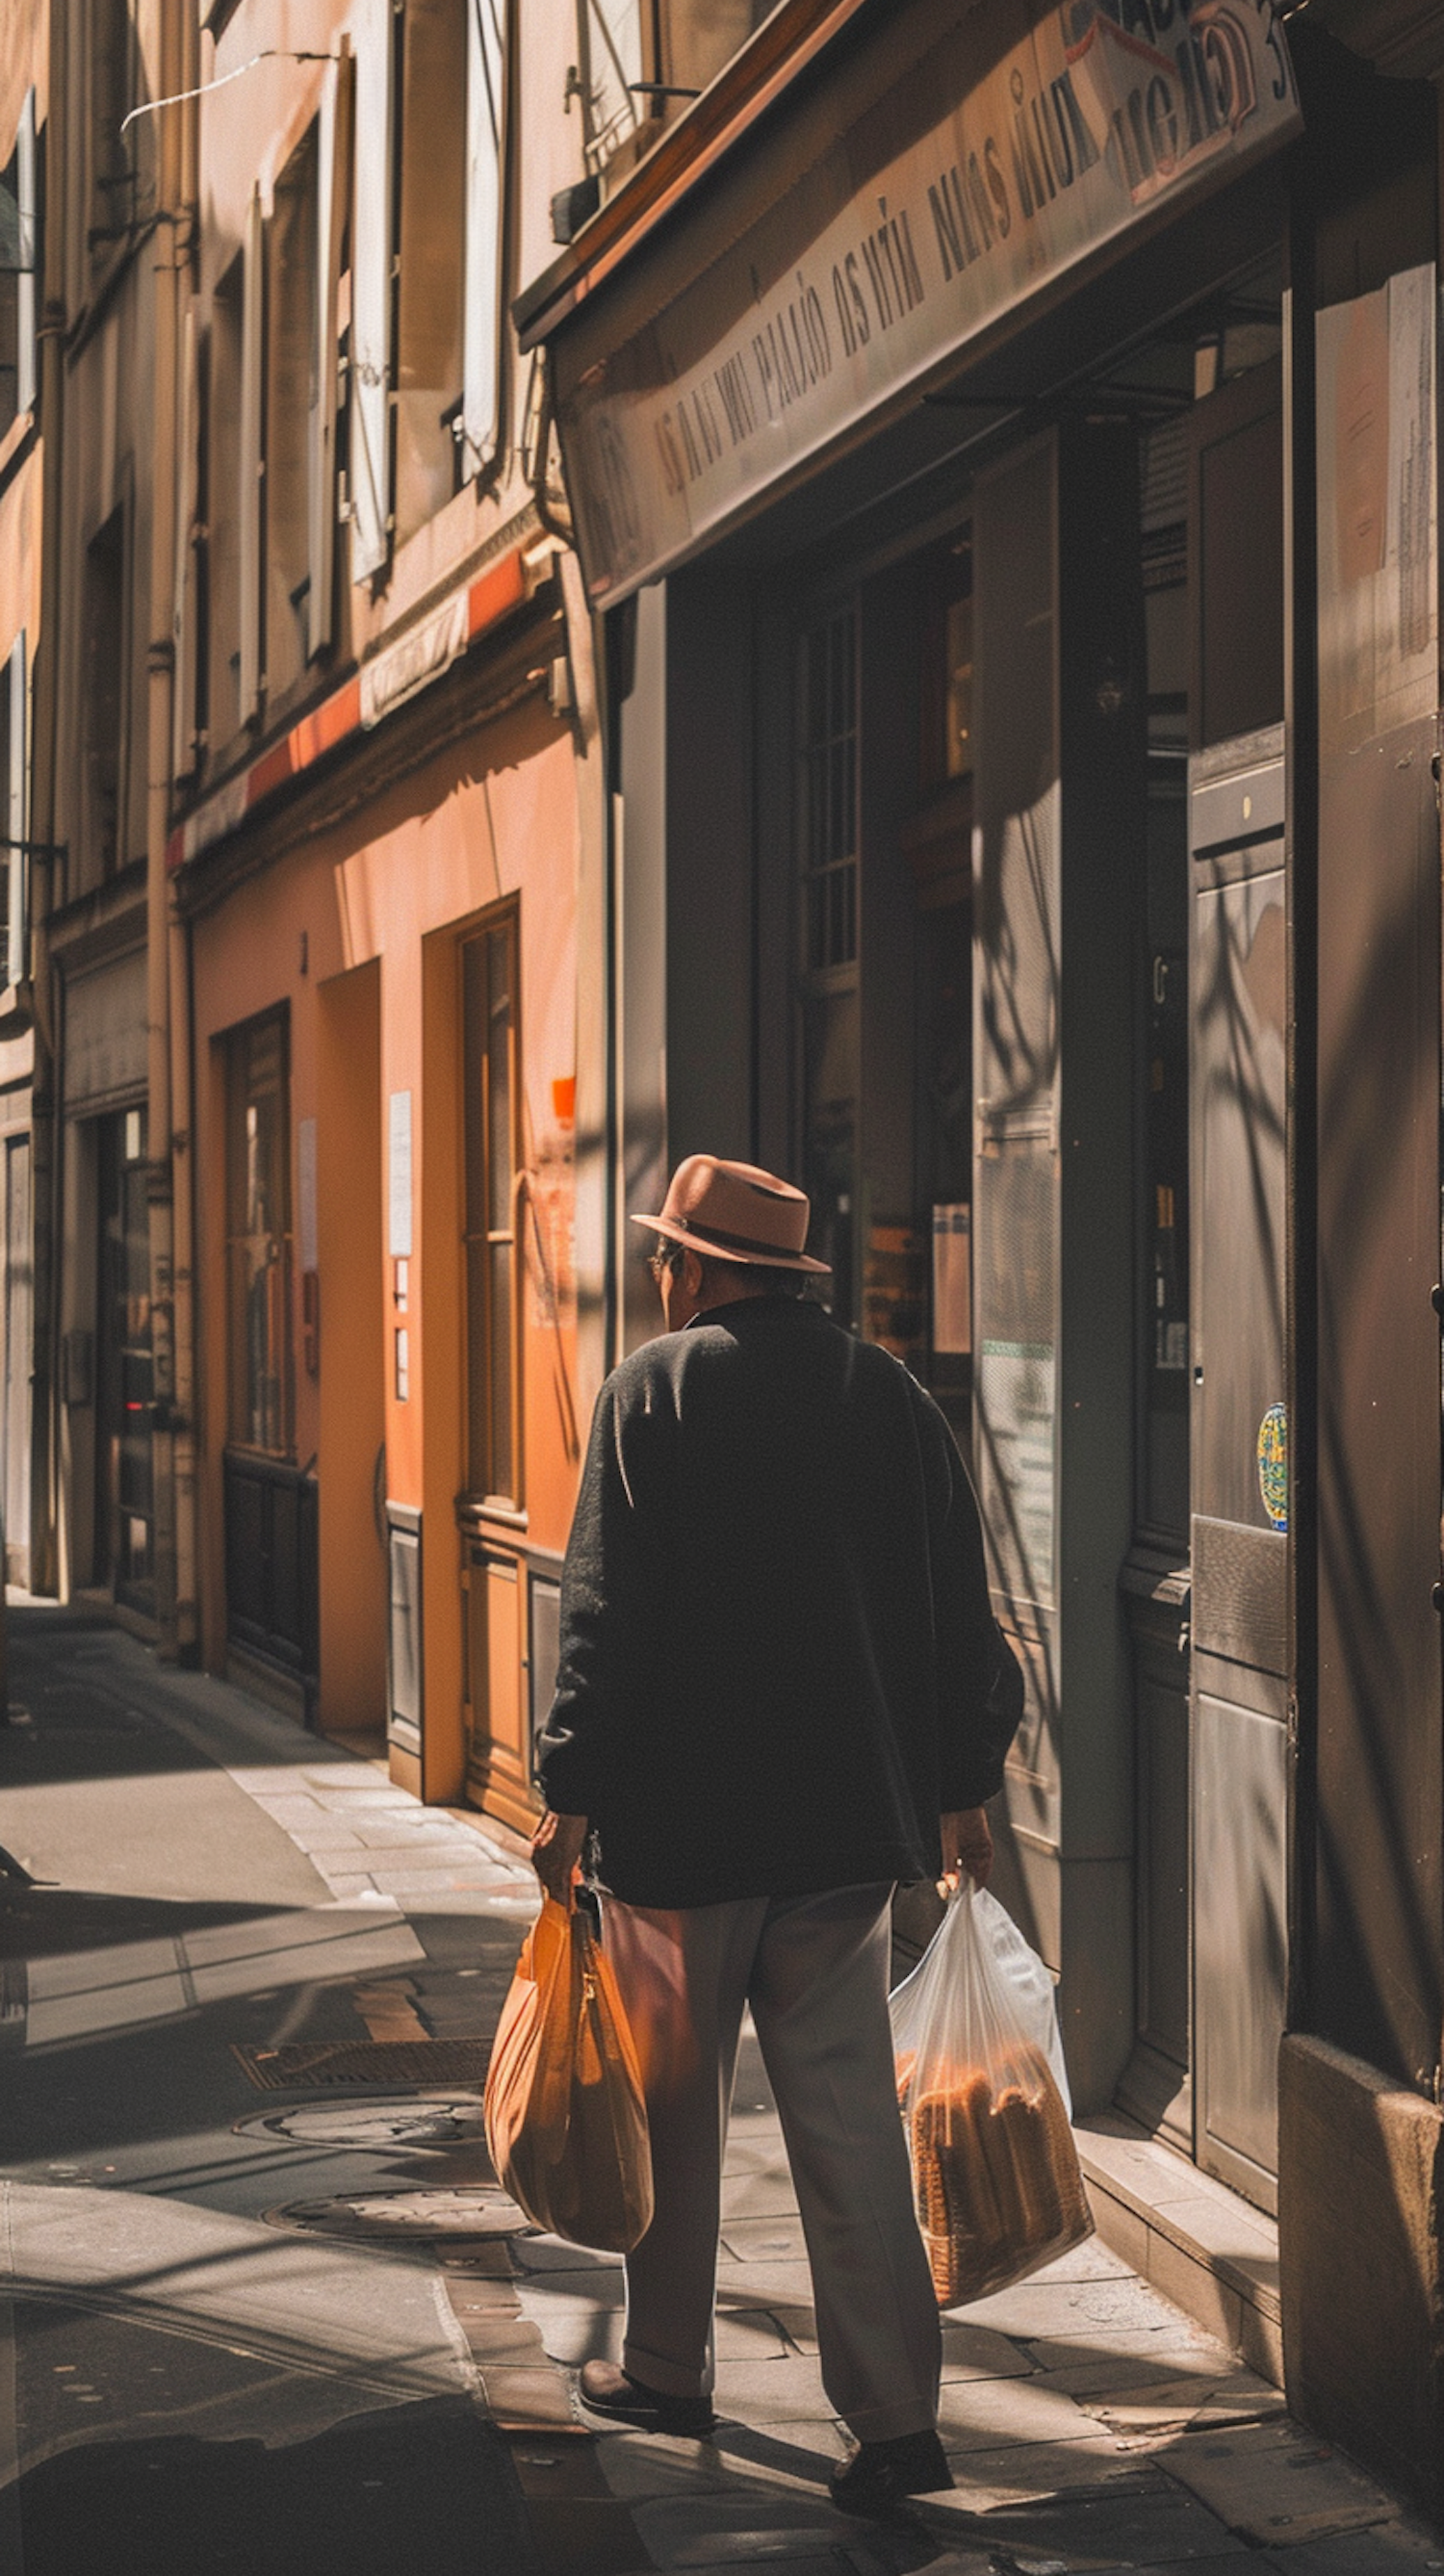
(984, 2097)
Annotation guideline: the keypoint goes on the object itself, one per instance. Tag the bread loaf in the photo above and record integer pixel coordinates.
(996, 2177)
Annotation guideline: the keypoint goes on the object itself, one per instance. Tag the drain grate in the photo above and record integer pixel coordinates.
(404, 2217)
(305, 2063)
(382, 2125)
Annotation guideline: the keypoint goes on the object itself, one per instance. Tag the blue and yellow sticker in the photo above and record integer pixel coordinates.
(1273, 1464)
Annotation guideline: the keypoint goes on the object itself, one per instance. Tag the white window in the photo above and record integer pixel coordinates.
(18, 195)
(485, 148)
(369, 408)
(121, 164)
(304, 241)
(426, 281)
(431, 268)
(639, 62)
(13, 805)
(697, 37)
(611, 67)
(333, 198)
(292, 394)
(252, 461)
(222, 445)
(105, 647)
(186, 716)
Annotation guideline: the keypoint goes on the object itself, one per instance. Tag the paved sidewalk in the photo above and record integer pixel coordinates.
(348, 2294)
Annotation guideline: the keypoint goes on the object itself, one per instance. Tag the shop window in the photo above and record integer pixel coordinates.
(828, 791)
(258, 1239)
(223, 510)
(292, 392)
(1164, 1459)
(1237, 539)
(13, 778)
(104, 663)
(827, 850)
(18, 263)
(491, 1124)
(946, 694)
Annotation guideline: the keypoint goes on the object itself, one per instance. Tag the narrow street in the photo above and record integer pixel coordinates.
(262, 2307)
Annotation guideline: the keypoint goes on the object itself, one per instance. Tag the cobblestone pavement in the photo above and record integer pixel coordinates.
(342, 2271)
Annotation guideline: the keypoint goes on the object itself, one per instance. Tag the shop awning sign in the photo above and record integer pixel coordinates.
(909, 234)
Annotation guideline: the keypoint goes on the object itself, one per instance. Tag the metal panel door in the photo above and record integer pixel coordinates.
(15, 1415)
(1239, 1453)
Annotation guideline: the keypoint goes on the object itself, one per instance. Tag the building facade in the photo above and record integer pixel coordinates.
(28, 451)
(855, 585)
(307, 866)
(384, 871)
(1003, 448)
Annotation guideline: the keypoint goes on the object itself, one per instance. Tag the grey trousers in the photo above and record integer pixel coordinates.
(814, 1970)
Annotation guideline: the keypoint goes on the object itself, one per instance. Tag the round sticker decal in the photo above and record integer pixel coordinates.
(1273, 1464)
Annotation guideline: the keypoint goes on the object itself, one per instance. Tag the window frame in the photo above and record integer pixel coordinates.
(101, 866)
(238, 1044)
(14, 790)
(25, 159)
(483, 1488)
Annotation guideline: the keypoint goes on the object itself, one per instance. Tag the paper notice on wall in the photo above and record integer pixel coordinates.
(952, 1278)
(1361, 432)
(306, 1192)
(1377, 513)
(398, 1196)
(1016, 1409)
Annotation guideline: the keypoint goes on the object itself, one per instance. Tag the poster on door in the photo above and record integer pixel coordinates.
(1017, 1385)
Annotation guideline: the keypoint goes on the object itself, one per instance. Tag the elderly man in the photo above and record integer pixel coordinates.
(776, 1698)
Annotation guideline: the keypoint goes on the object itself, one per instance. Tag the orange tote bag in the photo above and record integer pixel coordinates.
(566, 2122)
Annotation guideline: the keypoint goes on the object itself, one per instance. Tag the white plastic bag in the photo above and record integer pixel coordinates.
(984, 2094)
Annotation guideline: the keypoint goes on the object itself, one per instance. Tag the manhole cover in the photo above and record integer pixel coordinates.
(404, 2217)
(310, 2065)
(449, 2121)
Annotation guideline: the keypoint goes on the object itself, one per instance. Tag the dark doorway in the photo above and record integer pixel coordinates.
(19, 1307)
(124, 1507)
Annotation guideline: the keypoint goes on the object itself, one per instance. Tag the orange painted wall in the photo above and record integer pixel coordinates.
(393, 889)
(353, 1569)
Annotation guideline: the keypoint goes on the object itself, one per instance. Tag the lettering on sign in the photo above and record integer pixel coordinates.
(839, 295)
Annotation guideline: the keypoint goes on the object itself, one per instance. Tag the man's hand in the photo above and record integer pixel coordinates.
(556, 1848)
(967, 1845)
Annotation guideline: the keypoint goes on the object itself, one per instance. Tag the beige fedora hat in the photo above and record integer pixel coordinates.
(734, 1212)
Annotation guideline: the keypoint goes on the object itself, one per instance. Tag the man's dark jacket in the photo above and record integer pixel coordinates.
(776, 1643)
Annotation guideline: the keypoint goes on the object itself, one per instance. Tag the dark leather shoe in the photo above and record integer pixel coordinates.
(880, 2474)
(605, 2390)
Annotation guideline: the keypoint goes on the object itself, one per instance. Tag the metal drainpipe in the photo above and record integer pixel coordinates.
(167, 273)
(49, 1557)
(178, 947)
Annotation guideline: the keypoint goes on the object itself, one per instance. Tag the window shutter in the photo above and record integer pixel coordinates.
(253, 341)
(183, 712)
(27, 193)
(12, 787)
(332, 184)
(371, 226)
(485, 146)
